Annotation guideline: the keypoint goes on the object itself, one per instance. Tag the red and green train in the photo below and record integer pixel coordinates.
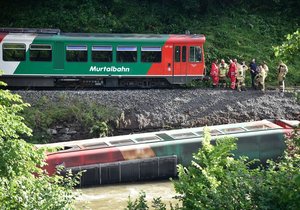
(49, 58)
(148, 156)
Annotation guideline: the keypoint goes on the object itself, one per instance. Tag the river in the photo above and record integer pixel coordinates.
(116, 196)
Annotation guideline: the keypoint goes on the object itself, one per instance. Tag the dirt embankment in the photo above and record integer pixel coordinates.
(144, 110)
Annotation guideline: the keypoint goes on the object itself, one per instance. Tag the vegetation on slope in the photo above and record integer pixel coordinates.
(92, 119)
(233, 28)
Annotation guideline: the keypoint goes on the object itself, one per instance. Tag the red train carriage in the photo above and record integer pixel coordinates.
(155, 155)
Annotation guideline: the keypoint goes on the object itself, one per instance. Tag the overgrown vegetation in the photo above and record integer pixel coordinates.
(215, 180)
(23, 184)
(233, 28)
(141, 203)
(290, 49)
(94, 120)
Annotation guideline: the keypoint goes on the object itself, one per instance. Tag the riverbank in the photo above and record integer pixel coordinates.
(71, 115)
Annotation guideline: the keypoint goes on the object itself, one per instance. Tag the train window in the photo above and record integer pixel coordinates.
(177, 53)
(200, 133)
(14, 52)
(67, 148)
(257, 127)
(232, 130)
(184, 54)
(215, 132)
(146, 139)
(102, 53)
(151, 54)
(95, 145)
(122, 142)
(40, 52)
(76, 53)
(195, 54)
(126, 54)
(182, 135)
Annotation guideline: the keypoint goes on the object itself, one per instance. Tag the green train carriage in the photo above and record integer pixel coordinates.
(40, 57)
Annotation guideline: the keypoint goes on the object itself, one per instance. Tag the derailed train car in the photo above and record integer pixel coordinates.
(149, 156)
(49, 58)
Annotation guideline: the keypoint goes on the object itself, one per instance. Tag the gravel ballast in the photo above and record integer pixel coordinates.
(145, 110)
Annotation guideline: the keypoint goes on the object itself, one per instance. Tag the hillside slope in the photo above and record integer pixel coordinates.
(234, 28)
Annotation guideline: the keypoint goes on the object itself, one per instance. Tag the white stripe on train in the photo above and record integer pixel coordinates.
(9, 67)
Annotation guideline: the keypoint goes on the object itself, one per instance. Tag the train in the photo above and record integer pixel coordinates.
(50, 58)
(155, 155)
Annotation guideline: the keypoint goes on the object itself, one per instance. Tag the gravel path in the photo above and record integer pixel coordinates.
(157, 109)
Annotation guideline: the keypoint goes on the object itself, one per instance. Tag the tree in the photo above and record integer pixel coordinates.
(23, 183)
(217, 181)
(289, 48)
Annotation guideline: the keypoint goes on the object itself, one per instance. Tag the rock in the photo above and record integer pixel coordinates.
(52, 131)
(153, 109)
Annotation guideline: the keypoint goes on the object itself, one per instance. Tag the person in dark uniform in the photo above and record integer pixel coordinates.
(254, 72)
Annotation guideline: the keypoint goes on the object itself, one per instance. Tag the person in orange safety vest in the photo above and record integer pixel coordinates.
(232, 74)
(223, 70)
(214, 73)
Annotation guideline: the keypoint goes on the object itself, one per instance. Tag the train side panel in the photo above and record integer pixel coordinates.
(73, 57)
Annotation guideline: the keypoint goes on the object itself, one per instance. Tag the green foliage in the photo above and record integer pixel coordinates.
(93, 118)
(141, 203)
(233, 28)
(205, 83)
(212, 177)
(217, 181)
(24, 185)
(158, 204)
(100, 129)
(290, 47)
(278, 187)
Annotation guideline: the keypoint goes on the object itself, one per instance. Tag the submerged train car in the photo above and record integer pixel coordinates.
(155, 155)
(42, 57)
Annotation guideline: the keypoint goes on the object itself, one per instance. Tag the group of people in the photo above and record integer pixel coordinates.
(236, 73)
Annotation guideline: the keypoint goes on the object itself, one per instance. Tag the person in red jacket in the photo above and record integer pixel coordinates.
(214, 73)
(232, 74)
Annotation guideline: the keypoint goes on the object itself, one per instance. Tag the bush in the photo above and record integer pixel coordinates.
(23, 184)
(93, 119)
(217, 181)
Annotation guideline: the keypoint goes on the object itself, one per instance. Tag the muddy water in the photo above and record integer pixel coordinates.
(116, 196)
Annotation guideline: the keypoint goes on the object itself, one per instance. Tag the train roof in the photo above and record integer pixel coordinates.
(56, 35)
(171, 135)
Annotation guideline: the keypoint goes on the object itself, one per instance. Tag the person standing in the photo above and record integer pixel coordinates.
(261, 76)
(282, 71)
(266, 68)
(254, 72)
(241, 75)
(223, 70)
(214, 73)
(232, 74)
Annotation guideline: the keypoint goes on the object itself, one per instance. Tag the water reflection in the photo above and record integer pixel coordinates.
(116, 196)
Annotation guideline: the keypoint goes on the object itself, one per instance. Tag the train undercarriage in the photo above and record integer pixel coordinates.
(94, 82)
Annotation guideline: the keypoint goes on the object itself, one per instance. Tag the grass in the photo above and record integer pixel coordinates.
(47, 114)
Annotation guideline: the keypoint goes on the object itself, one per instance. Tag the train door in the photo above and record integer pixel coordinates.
(167, 59)
(195, 65)
(179, 64)
(58, 56)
